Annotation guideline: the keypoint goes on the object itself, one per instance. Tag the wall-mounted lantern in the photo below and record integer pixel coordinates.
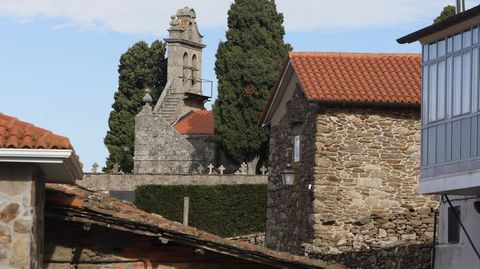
(288, 175)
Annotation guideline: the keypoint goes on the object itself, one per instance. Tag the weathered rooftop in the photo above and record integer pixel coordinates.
(74, 203)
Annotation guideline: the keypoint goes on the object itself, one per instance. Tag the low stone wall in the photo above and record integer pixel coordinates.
(129, 182)
(416, 256)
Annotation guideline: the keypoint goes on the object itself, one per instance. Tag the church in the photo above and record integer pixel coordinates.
(177, 136)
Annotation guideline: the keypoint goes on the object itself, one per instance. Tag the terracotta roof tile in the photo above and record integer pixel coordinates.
(196, 123)
(359, 77)
(18, 134)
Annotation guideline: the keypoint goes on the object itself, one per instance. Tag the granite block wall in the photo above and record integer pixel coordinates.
(356, 185)
(366, 180)
(21, 216)
(160, 149)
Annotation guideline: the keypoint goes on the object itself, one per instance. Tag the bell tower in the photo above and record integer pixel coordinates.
(184, 46)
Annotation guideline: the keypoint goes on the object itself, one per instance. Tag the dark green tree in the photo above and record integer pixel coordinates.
(140, 67)
(247, 66)
(446, 13)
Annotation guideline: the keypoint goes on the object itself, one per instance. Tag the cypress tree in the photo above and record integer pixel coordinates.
(447, 12)
(141, 66)
(247, 66)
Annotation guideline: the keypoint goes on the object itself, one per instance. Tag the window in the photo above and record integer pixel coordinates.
(441, 91)
(475, 80)
(454, 218)
(425, 53)
(449, 44)
(457, 85)
(457, 42)
(296, 148)
(432, 93)
(441, 48)
(432, 51)
(466, 83)
(467, 39)
(475, 35)
(449, 87)
(425, 94)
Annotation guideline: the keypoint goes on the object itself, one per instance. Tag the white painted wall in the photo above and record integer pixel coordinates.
(461, 255)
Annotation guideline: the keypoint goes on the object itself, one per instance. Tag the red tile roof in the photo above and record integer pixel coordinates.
(18, 134)
(359, 77)
(196, 123)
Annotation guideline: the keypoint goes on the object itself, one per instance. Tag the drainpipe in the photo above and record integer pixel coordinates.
(460, 6)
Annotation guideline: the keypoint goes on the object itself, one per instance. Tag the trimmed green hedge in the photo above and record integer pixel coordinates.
(225, 210)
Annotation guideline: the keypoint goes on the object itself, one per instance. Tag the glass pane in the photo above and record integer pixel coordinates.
(441, 48)
(432, 93)
(475, 35)
(432, 51)
(457, 85)
(425, 53)
(449, 87)
(449, 44)
(441, 91)
(467, 39)
(475, 80)
(466, 83)
(425, 94)
(457, 42)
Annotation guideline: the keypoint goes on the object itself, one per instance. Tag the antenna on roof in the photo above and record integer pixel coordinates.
(460, 6)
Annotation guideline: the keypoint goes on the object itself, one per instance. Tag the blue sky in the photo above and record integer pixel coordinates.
(59, 58)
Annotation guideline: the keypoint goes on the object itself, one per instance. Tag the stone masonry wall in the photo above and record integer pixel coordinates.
(289, 207)
(366, 180)
(160, 149)
(129, 182)
(22, 197)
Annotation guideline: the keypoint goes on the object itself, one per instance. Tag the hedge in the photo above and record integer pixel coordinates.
(225, 210)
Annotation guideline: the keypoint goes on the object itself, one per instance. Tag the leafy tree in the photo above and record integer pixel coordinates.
(140, 67)
(247, 66)
(447, 12)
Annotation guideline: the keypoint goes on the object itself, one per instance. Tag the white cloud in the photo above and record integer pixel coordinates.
(152, 16)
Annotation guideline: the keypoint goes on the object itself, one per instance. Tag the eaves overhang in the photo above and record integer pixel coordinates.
(437, 27)
(57, 165)
(276, 96)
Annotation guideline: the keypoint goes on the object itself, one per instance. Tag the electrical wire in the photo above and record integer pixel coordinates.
(463, 227)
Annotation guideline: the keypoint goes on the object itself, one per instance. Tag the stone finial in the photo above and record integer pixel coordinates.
(147, 99)
(242, 170)
(264, 170)
(116, 168)
(174, 21)
(221, 169)
(95, 166)
(210, 169)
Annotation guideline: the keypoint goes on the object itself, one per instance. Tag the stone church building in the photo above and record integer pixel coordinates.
(347, 127)
(176, 136)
